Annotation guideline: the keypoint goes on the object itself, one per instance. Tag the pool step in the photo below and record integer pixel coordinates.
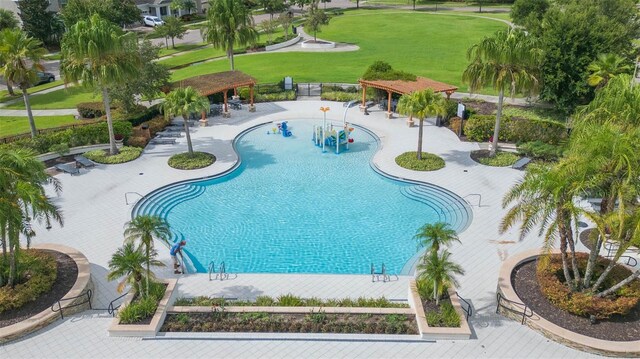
(449, 208)
(163, 203)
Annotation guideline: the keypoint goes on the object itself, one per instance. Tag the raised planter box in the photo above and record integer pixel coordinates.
(310, 44)
(438, 333)
(283, 44)
(83, 283)
(551, 330)
(294, 310)
(75, 151)
(145, 330)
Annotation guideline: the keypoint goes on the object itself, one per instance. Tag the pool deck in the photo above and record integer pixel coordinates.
(94, 209)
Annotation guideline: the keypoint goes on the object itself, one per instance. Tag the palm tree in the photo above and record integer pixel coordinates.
(436, 235)
(183, 101)
(421, 104)
(436, 268)
(606, 67)
(8, 20)
(128, 262)
(96, 53)
(229, 22)
(544, 198)
(21, 57)
(23, 201)
(145, 229)
(508, 61)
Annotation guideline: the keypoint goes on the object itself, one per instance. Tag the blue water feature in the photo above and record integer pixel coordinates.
(289, 208)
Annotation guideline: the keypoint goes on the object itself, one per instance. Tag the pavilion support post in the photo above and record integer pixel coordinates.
(252, 107)
(363, 105)
(389, 113)
(448, 93)
(203, 121)
(226, 112)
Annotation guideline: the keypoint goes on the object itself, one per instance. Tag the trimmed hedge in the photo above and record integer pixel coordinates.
(143, 307)
(268, 94)
(501, 159)
(191, 161)
(551, 281)
(126, 154)
(541, 150)
(78, 136)
(429, 161)
(40, 271)
(290, 300)
(480, 128)
(91, 109)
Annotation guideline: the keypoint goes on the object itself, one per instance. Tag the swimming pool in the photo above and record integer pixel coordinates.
(289, 208)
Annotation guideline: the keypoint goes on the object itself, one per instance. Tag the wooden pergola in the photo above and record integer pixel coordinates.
(403, 87)
(210, 84)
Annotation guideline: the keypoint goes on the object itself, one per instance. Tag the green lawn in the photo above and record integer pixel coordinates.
(205, 53)
(13, 125)
(179, 48)
(425, 44)
(4, 94)
(422, 3)
(63, 98)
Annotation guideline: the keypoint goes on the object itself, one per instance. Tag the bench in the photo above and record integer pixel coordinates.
(521, 163)
(163, 141)
(68, 168)
(83, 161)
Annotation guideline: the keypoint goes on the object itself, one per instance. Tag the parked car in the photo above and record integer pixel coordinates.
(152, 21)
(44, 77)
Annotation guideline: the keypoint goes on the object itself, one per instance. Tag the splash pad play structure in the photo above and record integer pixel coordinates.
(333, 134)
(282, 128)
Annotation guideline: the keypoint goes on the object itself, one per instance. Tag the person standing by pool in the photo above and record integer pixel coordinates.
(174, 251)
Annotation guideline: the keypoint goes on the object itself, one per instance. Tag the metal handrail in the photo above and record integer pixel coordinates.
(126, 198)
(211, 267)
(88, 293)
(468, 310)
(524, 313)
(111, 309)
(474, 194)
(220, 274)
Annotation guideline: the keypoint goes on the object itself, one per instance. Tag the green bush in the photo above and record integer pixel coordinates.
(381, 70)
(268, 94)
(126, 154)
(429, 161)
(37, 271)
(480, 128)
(290, 300)
(90, 109)
(60, 148)
(191, 161)
(142, 307)
(540, 150)
(501, 159)
(341, 96)
(551, 281)
(445, 317)
(143, 116)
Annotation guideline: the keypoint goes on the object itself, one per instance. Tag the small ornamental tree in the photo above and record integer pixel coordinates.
(315, 20)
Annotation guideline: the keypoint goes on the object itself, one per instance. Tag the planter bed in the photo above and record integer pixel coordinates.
(310, 322)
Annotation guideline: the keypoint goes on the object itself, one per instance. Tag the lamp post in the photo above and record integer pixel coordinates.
(324, 124)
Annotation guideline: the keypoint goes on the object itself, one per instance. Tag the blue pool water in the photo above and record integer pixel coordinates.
(289, 208)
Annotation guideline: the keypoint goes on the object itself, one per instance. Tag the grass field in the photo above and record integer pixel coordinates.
(4, 94)
(64, 98)
(425, 44)
(13, 125)
(179, 48)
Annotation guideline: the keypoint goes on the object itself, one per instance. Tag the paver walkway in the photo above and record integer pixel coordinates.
(95, 211)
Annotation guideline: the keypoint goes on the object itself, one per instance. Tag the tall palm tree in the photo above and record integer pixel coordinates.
(145, 229)
(128, 262)
(21, 57)
(229, 22)
(606, 67)
(421, 104)
(23, 201)
(436, 235)
(509, 61)
(438, 269)
(95, 53)
(8, 20)
(184, 101)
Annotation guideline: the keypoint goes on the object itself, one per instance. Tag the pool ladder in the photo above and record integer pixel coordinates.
(220, 274)
(376, 276)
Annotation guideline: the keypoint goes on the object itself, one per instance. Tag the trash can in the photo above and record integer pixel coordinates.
(294, 30)
(439, 121)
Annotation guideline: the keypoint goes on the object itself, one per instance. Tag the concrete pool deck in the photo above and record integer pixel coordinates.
(94, 208)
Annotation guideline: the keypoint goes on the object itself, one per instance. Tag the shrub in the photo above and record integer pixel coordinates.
(137, 141)
(446, 316)
(381, 70)
(37, 272)
(90, 109)
(551, 281)
(142, 307)
(191, 161)
(541, 150)
(126, 154)
(268, 94)
(454, 125)
(501, 159)
(289, 300)
(61, 149)
(341, 96)
(480, 127)
(429, 161)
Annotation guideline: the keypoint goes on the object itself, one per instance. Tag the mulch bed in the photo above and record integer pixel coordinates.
(616, 328)
(67, 275)
(478, 154)
(59, 160)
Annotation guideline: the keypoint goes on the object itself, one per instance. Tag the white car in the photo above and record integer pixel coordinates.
(152, 21)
